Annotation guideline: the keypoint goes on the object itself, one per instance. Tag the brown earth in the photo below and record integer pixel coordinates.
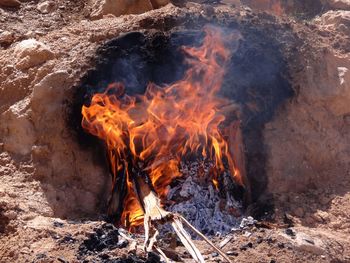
(47, 177)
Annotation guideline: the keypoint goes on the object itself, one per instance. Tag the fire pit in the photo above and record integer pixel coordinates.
(181, 114)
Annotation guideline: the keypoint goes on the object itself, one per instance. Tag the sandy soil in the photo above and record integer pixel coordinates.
(53, 191)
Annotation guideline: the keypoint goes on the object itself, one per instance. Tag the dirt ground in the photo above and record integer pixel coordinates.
(53, 190)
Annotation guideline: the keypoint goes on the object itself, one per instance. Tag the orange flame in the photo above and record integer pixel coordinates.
(165, 124)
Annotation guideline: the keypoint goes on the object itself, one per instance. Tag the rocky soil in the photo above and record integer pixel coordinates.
(53, 189)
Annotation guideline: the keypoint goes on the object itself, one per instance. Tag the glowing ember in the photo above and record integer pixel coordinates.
(155, 131)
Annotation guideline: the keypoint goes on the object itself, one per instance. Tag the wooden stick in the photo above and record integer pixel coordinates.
(204, 238)
(186, 240)
(160, 251)
(154, 213)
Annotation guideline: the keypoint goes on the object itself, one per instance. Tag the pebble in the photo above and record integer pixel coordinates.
(259, 240)
(58, 224)
(232, 253)
(122, 243)
(290, 232)
(280, 245)
(214, 254)
(246, 246)
(41, 256)
(243, 248)
(62, 259)
(270, 240)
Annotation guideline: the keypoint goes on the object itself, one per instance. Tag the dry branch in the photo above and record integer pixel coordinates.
(154, 214)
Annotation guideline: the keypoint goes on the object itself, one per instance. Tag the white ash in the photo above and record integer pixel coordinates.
(199, 202)
(247, 222)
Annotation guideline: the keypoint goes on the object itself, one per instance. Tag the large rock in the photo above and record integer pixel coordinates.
(46, 7)
(17, 129)
(10, 3)
(124, 7)
(306, 243)
(48, 95)
(30, 53)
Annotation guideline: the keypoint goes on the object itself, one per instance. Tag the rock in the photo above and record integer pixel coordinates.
(323, 215)
(58, 224)
(62, 259)
(232, 253)
(339, 4)
(10, 3)
(19, 134)
(305, 243)
(49, 89)
(46, 7)
(290, 232)
(30, 53)
(246, 246)
(288, 220)
(280, 245)
(119, 7)
(122, 243)
(6, 38)
(11, 215)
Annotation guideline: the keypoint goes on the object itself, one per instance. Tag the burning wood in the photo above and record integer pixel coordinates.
(154, 214)
(148, 136)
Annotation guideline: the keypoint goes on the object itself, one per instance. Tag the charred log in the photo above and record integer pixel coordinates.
(119, 189)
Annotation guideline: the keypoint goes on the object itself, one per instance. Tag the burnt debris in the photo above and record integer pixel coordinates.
(104, 237)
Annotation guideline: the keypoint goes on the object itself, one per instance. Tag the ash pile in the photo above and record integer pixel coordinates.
(211, 209)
